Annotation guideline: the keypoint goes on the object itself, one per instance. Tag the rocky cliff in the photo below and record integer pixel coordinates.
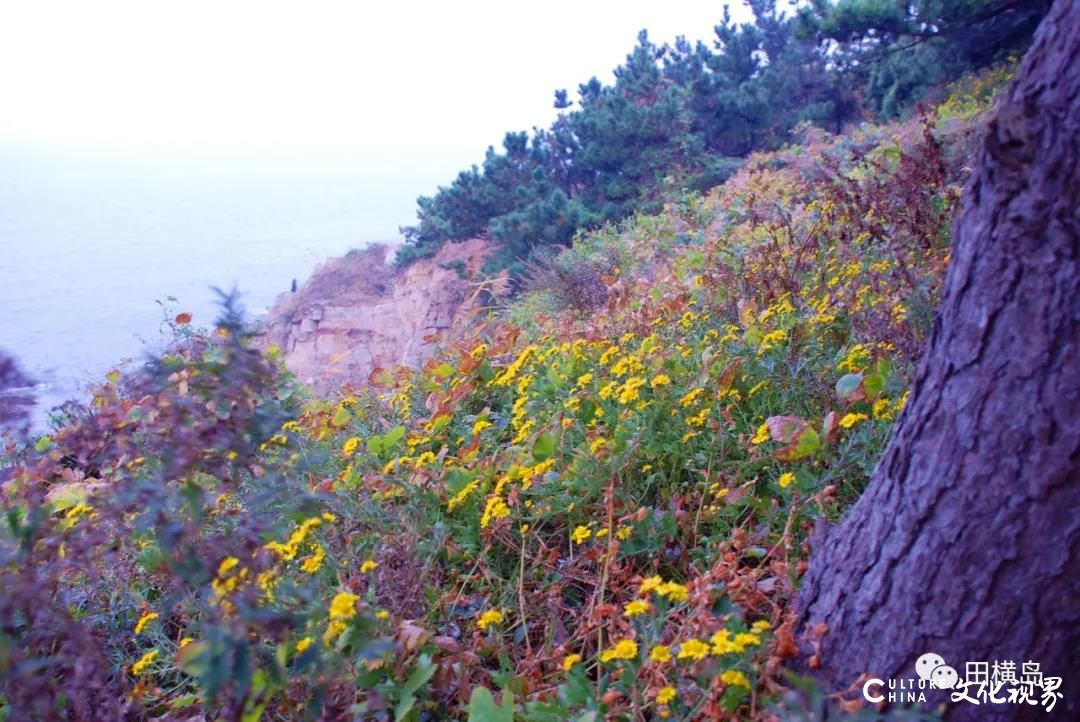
(359, 313)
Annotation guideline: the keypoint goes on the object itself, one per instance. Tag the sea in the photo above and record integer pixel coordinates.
(98, 247)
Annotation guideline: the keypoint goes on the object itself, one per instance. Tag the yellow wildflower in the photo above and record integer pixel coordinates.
(78, 510)
(584, 380)
(650, 583)
(382, 614)
(488, 618)
(303, 644)
(508, 375)
(350, 446)
(333, 631)
(761, 625)
(851, 420)
(184, 641)
(693, 649)
(569, 661)
(145, 620)
(523, 433)
(747, 639)
(581, 534)
(343, 606)
(762, 435)
(624, 532)
(145, 661)
(496, 508)
(624, 649)
(722, 643)
(369, 565)
(629, 392)
(673, 591)
(666, 695)
(608, 390)
(597, 445)
(226, 566)
(785, 479)
(661, 380)
(636, 608)
(462, 495)
(480, 425)
(660, 653)
(314, 561)
(735, 678)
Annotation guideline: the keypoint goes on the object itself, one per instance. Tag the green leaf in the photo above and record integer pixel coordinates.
(392, 437)
(873, 385)
(482, 707)
(544, 446)
(341, 417)
(375, 445)
(804, 444)
(808, 443)
(457, 479)
(43, 444)
(848, 388)
(425, 668)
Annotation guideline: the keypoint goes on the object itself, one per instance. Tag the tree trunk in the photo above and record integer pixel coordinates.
(967, 541)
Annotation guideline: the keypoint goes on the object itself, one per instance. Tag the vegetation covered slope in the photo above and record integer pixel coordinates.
(590, 511)
(683, 116)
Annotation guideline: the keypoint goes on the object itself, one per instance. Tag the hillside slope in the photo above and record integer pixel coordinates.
(589, 510)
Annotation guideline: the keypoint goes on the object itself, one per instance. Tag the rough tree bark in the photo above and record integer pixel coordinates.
(967, 541)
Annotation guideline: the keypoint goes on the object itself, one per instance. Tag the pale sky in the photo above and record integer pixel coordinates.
(389, 80)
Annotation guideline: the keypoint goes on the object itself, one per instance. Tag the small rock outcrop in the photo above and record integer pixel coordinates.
(359, 313)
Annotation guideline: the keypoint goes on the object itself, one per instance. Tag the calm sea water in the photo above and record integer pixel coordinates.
(90, 241)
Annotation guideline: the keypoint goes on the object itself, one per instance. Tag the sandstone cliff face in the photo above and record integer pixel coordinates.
(358, 313)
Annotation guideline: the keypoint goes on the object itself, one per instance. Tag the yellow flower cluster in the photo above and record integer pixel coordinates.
(581, 534)
(723, 642)
(313, 562)
(289, 550)
(625, 649)
(489, 618)
(495, 508)
(510, 373)
(145, 661)
(851, 420)
(629, 392)
(694, 650)
(145, 620)
(735, 678)
(459, 498)
(342, 609)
